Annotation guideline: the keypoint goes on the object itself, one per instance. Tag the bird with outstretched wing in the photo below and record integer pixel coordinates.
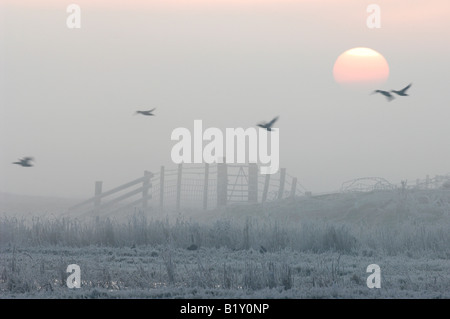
(268, 126)
(146, 113)
(388, 95)
(25, 162)
(402, 92)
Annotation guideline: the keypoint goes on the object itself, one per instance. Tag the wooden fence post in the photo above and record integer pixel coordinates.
(180, 174)
(222, 184)
(282, 180)
(253, 183)
(161, 188)
(205, 187)
(98, 192)
(293, 187)
(266, 188)
(145, 188)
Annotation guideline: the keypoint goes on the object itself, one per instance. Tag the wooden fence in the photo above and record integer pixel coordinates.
(192, 186)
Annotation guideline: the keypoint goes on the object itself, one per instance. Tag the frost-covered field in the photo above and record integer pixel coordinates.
(163, 272)
(305, 248)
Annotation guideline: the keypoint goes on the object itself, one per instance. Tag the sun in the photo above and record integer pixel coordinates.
(361, 68)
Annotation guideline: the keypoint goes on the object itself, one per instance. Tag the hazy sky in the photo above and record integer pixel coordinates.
(68, 95)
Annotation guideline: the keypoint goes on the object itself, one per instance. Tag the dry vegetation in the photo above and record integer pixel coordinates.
(275, 251)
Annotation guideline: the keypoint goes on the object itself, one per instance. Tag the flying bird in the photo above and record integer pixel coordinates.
(25, 162)
(387, 94)
(268, 126)
(147, 113)
(402, 92)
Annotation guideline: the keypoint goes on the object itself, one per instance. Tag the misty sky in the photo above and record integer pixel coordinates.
(67, 97)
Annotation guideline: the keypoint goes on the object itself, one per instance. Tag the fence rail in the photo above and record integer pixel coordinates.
(211, 186)
(206, 186)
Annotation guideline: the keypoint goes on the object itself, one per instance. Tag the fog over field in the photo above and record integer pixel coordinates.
(315, 247)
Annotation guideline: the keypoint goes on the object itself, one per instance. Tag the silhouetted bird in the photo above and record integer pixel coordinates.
(25, 162)
(402, 92)
(388, 95)
(262, 249)
(147, 113)
(268, 126)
